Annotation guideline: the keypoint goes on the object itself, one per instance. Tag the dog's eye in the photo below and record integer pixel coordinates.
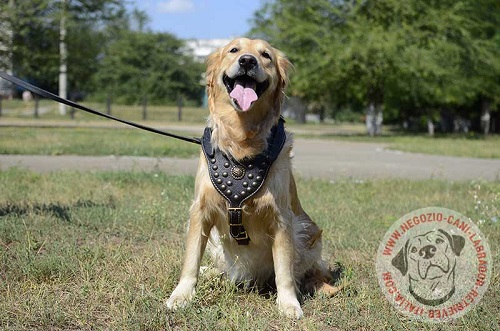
(233, 50)
(266, 55)
(413, 249)
(439, 241)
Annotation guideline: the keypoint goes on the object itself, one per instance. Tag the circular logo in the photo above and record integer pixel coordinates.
(434, 265)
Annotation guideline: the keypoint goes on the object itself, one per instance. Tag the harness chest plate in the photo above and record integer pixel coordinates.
(237, 181)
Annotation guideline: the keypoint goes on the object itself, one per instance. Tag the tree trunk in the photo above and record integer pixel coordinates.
(379, 119)
(485, 117)
(430, 127)
(6, 46)
(370, 119)
(63, 78)
(374, 119)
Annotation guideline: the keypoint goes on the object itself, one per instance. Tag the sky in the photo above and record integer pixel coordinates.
(200, 19)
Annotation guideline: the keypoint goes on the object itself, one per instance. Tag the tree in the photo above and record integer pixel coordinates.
(152, 64)
(412, 58)
(342, 57)
(35, 40)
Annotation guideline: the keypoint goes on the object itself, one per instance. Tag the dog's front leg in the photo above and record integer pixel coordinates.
(196, 241)
(283, 256)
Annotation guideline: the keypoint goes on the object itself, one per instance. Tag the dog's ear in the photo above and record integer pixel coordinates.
(212, 62)
(400, 261)
(457, 242)
(285, 68)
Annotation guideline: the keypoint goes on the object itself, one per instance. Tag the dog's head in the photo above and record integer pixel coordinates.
(247, 76)
(430, 255)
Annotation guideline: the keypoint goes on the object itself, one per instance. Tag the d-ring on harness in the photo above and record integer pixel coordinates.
(237, 181)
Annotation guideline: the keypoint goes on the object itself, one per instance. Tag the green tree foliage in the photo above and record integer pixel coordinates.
(412, 58)
(35, 37)
(148, 64)
(110, 50)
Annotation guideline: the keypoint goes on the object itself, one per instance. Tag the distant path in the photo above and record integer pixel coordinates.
(325, 159)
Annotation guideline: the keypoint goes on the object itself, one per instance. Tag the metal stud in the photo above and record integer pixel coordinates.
(245, 184)
(250, 176)
(213, 160)
(216, 174)
(236, 196)
(237, 172)
(224, 174)
(228, 192)
(250, 166)
(223, 187)
(255, 184)
(259, 178)
(218, 181)
(243, 192)
(214, 167)
(249, 189)
(229, 183)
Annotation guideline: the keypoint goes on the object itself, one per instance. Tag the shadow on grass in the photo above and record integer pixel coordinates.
(58, 210)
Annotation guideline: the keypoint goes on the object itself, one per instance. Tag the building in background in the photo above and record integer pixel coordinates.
(201, 48)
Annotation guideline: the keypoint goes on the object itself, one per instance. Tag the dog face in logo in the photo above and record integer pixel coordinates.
(429, 260)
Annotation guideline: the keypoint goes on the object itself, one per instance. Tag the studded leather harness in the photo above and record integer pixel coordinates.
(237, 181)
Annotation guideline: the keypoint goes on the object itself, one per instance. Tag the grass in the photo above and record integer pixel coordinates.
(46, 135)
(91, 141)
(85, 139)
(103, 250)
(488, 148)
(450, 145)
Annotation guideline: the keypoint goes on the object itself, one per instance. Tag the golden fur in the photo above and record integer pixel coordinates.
(285, 242)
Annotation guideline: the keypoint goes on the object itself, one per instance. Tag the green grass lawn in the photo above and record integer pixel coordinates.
(449, 145)
(85, 140)
(92, 141)
(103, 250)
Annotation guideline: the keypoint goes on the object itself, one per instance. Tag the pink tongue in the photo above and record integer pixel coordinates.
(244, 96)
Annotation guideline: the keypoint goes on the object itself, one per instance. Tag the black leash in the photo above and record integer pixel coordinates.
(46, 94)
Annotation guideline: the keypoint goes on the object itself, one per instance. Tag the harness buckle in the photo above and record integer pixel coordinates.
(242, 238)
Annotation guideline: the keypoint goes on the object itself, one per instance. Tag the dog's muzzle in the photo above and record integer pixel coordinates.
(243, 86)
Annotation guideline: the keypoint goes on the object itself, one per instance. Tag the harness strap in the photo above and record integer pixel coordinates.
(237, 181)
(236, 228)
(46, 94)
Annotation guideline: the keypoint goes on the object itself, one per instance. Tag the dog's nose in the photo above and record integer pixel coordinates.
(247, 61)
(427, 252)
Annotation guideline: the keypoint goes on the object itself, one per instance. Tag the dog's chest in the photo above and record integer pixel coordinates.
(239, 181)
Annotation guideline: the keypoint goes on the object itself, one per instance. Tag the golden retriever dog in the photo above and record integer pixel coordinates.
(246, 80)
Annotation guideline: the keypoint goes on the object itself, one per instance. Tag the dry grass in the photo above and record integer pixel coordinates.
(85, 251)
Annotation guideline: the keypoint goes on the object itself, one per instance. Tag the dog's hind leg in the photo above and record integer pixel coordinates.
(329, 290)
(318, 279)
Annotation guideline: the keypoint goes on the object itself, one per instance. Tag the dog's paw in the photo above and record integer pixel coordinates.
(180, 298)
(290, 308)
